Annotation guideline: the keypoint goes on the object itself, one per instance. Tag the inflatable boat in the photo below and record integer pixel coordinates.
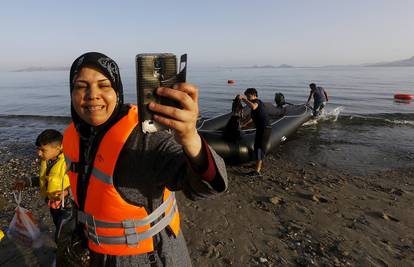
(238, 147)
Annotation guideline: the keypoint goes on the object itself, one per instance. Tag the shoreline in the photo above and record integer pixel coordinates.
(295, 215)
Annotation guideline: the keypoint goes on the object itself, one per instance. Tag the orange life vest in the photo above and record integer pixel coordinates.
(112, 225)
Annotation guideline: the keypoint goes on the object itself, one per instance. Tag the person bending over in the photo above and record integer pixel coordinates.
(320, 97)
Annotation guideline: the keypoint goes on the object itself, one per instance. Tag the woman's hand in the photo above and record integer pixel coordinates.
(183, 121)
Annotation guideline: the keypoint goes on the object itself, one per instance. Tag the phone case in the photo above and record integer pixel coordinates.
(155, 70)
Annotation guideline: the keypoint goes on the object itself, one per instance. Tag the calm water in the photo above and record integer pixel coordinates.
(372, 132)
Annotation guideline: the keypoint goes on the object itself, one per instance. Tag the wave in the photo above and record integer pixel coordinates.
(377, 119)
(381, 119)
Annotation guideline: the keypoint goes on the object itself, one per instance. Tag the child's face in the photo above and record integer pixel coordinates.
(49, 151)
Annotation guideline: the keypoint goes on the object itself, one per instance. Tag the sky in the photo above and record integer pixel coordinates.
(212, 33)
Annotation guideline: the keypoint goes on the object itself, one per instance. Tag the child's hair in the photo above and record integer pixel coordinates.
(49, 136)
(250, 91)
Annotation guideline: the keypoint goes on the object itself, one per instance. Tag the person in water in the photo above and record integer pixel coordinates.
(320, 97)
(123, 181)
(261, 121)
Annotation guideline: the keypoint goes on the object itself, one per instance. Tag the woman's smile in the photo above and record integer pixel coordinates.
(93, 97)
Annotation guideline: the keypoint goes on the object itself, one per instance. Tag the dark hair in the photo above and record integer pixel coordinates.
(250, 91)
(312, 85)
(237, 107)
(49, 136)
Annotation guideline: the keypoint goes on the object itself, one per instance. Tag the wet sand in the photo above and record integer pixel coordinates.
(296, 214)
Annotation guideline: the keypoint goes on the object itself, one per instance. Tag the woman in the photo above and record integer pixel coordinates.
(123, 181)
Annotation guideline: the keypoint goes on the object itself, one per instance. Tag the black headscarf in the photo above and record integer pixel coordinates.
(90, 136)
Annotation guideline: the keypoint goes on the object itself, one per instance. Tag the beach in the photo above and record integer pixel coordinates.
(306, 216)
(296, 214)
(338, 192)
(335, 190)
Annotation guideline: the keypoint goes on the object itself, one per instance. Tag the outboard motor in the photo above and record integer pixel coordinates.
(280, 100)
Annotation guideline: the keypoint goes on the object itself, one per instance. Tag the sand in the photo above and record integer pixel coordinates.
(296, 214)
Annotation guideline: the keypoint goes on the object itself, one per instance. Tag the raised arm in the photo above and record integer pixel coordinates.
(252, 105)
(183, 121)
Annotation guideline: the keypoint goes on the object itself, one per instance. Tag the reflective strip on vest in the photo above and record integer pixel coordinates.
(102, 176)
(131, 237)
(95, 172)
(111, 224)
(157, 213)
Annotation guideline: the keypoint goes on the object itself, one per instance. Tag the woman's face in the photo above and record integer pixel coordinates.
(93, 97)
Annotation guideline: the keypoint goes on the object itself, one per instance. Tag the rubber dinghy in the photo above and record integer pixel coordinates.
(240, 149)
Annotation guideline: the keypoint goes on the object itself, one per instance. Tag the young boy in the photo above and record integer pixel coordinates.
(54, 183)
(261, 121)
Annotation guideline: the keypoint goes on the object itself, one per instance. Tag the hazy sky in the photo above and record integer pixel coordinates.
(218, 33)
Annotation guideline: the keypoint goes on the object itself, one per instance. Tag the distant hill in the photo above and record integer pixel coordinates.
(31, 69)
(283, 66)
(400, 63)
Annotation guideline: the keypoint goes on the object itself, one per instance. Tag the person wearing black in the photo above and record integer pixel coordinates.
(261, 121)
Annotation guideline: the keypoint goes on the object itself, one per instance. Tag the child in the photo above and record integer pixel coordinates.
(54, 183)
(261, 121)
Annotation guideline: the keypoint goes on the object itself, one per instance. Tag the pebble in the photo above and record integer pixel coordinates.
(389, 217)
(276, 200)
(319, 199)
(228, 261)
(263, 260)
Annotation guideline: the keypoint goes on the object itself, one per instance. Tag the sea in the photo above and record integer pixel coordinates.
(364, 130)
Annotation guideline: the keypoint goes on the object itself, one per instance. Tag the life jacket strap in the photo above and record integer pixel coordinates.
(75, 167)
(89, 219)
(71, 166)
(131, 237)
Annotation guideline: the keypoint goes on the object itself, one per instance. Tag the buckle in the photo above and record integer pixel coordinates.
(128, 224)
(91, 229)
(130, 231)
(132, 240)
(94, 229)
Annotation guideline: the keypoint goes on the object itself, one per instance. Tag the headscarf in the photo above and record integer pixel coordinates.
(107, 67)
(90, 136)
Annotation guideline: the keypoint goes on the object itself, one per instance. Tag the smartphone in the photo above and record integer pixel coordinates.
(155, 70)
